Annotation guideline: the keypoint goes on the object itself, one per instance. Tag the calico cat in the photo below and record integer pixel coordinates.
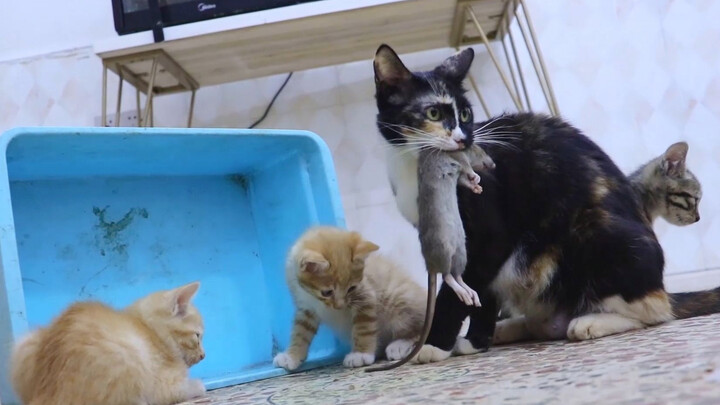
(666, 188)
(367, 300)
(557, 237)
(93, 354)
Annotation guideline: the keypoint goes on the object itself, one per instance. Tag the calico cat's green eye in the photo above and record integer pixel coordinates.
(433, 113)
(326, 293)
(465, 115)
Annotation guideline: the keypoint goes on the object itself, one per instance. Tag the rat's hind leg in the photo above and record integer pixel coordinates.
(473, 293)
(470, 180)
(461, 292)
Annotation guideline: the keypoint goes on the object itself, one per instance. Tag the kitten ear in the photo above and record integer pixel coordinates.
(388, 66)
(457, 66)
(313, 262)
(362, 248)
(674, 159)
(182, 297)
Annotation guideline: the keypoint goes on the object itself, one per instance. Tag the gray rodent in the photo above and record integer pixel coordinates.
(442, 237)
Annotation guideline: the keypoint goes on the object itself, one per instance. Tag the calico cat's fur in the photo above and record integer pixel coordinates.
(667, 189)
(92, 354)
(557, 236)
(366, 299)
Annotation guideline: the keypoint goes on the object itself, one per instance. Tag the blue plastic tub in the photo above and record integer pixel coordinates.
(113, 214)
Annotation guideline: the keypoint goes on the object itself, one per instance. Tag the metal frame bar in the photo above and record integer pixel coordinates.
(149, 93)
(466, 15)
(535, 63)
(161, 63)
(103, 115)
(484, 38)
(540, 56)
(192, 107)
(119, 97)
(519, 67)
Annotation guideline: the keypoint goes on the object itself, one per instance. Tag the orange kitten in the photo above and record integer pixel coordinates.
(364, 298)
(92, 354)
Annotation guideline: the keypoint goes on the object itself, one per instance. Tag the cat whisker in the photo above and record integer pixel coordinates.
(492, 121)
(494, 129)
(497, 143)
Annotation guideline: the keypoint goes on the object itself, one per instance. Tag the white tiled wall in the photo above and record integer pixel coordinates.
(634, 75)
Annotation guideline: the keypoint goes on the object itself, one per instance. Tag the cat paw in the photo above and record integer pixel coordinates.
(477, 189)
(431, 354)
(464, 347)
(286, 361)
(195, 388)
(357, 359)
(582, 328)
(399, 349)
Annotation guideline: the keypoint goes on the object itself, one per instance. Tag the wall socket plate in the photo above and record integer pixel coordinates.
(127, 119)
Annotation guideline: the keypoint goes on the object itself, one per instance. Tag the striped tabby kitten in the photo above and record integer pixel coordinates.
(366, 299)
(667, 188)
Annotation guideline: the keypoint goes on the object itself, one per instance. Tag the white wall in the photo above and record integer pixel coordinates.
(43, 26)
(634, 76)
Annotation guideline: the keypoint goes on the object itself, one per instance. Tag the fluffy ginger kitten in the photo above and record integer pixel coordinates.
(364, 298)
(92, 354)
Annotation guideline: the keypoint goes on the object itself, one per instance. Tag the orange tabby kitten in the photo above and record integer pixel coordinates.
(92, 354)
(364, 298)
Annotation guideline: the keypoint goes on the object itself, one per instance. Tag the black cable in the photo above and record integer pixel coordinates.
(267, 110)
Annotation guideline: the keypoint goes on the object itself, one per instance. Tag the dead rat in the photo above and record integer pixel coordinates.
(442, 237)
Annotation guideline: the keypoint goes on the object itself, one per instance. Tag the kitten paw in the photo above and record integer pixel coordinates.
(399, 349)
(431, 354)
(477, 189)
(195, 388)
(464, 347)
(357, 359)
(286, 361)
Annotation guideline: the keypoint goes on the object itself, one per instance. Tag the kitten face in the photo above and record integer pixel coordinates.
(423, 109)
(172, 315)
(682, 190)
(330, 264)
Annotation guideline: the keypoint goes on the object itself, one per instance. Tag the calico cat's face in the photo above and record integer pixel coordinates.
(423, 109)
(330, 264)
(678, 188)
(173, 316)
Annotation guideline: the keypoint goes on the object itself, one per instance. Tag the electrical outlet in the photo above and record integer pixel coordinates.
(127, 119)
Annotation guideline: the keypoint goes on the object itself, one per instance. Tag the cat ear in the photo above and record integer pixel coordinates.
(388, 66)
(674, 159)
(182, 297)
(362, 248)
(457, 66)
(313, 262)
